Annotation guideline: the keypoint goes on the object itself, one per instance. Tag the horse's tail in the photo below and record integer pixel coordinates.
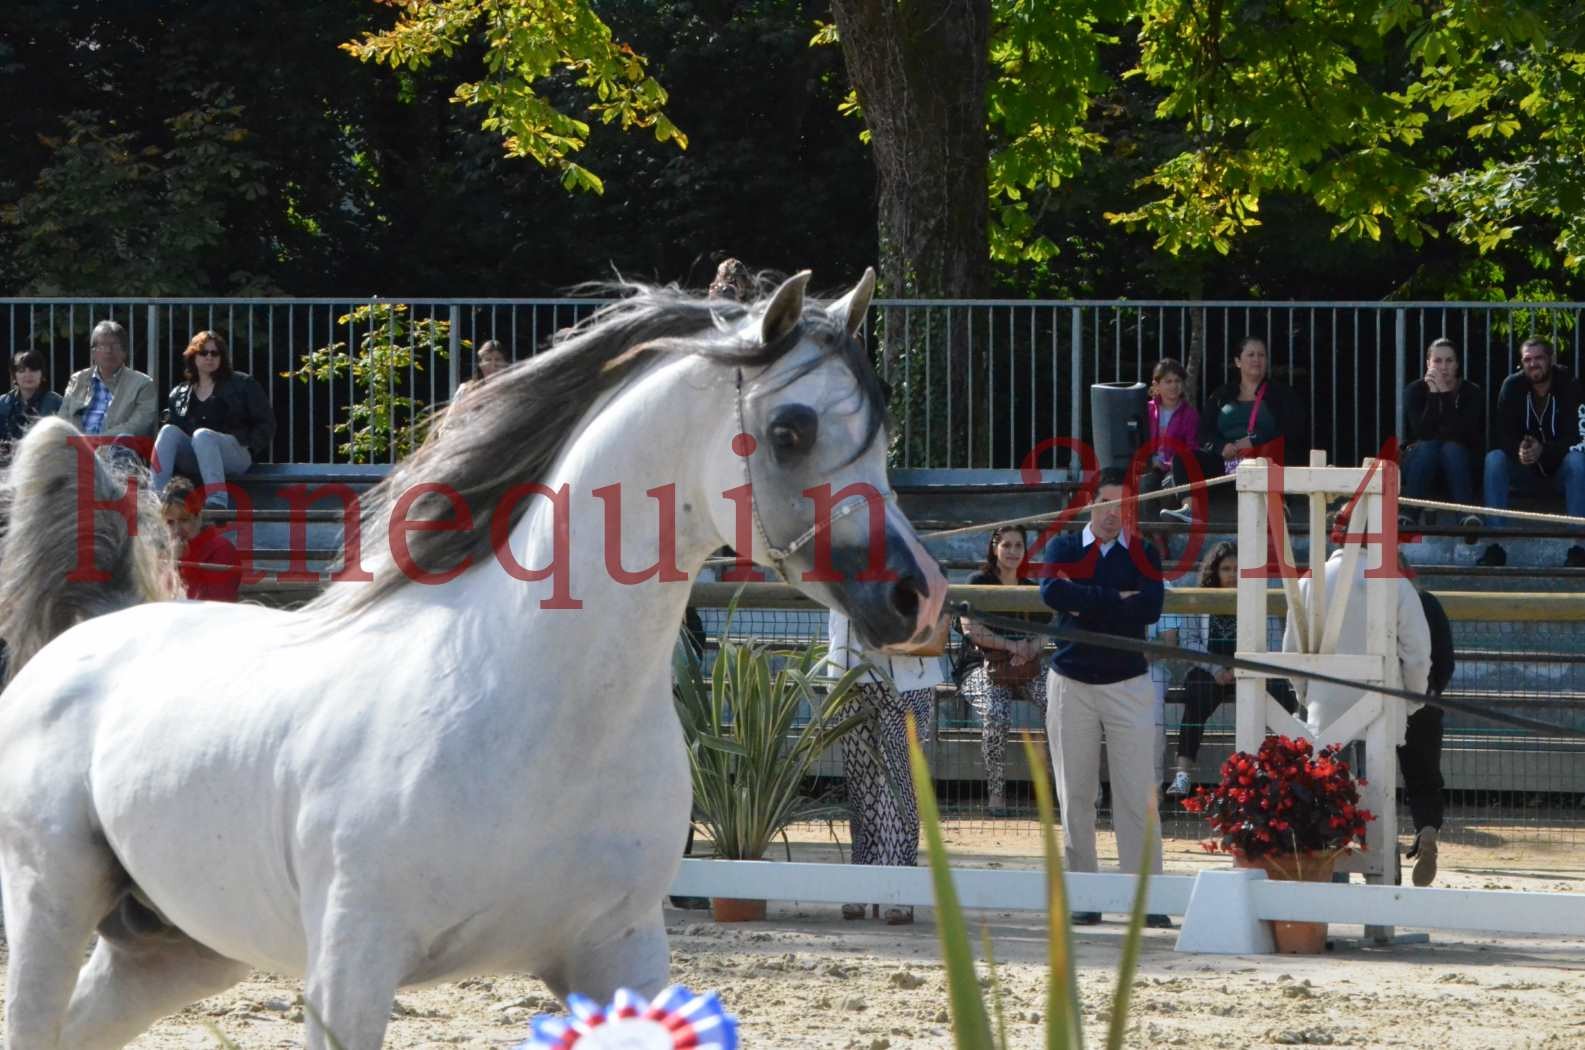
(53, 573)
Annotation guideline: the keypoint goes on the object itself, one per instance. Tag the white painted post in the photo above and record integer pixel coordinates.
(1253, 479)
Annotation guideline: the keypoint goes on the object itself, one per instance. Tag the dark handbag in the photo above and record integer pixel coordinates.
(1000, 669)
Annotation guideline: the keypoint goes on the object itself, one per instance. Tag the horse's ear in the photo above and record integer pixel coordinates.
(785, 308)
(849, 310)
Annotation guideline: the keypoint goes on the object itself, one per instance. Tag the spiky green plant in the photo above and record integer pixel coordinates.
(971, 1026)
(748, 749)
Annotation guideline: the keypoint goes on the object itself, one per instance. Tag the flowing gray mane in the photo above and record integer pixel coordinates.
(510, 430)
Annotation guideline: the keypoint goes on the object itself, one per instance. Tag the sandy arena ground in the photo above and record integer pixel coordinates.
(805, 978)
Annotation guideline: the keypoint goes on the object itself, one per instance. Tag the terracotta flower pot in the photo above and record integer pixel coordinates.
(1295, 938)
(734, 909)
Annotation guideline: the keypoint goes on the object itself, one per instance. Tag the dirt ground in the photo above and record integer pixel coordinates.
(805, 978)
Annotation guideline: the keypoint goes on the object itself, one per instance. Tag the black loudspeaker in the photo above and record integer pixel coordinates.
(1119, 423)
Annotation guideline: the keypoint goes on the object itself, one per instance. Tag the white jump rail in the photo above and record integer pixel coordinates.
(1224, 911)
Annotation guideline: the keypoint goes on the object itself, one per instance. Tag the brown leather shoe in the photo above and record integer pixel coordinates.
(1424, 854)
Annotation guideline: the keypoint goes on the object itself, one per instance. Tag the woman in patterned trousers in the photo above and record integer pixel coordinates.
(991, 655)
(883, 815)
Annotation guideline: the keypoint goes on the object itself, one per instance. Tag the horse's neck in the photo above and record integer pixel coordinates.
(645, 438)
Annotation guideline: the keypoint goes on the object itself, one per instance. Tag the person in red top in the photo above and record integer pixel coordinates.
(201, 548)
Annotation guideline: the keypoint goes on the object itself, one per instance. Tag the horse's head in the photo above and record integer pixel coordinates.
(808, 435)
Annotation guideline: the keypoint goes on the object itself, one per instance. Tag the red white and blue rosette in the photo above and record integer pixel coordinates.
(676, 1019)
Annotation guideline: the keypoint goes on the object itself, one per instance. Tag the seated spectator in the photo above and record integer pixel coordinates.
(29, 398)
(1445, 425)
(1174, 422)
(109, 398)
(732, 281)
(218, 423)
(1208, 687)
(1242, 419)
(489, 359)
(998, 669)
(1541, 440)
(210, 567)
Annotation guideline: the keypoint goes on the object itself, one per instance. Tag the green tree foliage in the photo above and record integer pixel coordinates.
(524, 43)
(119, 214)
(1401, 118)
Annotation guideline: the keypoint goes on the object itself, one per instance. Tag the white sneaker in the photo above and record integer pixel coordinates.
(1180, 784)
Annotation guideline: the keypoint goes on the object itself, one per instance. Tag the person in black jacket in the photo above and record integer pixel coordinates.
(218, 423)
(1445, 426)
(1420, 756)
(1540, 419)
(1250, 416)
(29, 398)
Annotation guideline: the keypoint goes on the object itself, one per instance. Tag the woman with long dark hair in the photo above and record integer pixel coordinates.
(218, 423)
(1245, 417)
(997, 668)
(1207, 687)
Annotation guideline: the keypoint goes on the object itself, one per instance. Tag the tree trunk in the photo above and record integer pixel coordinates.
(920, 68)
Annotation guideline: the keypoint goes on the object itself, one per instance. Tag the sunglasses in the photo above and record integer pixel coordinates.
(207, 353)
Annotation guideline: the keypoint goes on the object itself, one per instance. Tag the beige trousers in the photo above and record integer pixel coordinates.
(1078, 714)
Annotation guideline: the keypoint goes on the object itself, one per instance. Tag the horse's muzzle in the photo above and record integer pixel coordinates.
(904, 603)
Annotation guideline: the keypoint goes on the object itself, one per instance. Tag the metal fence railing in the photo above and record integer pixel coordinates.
(1514, 784)
(270, 338)
(975, 384)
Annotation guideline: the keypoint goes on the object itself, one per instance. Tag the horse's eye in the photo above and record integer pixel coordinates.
(792, 430)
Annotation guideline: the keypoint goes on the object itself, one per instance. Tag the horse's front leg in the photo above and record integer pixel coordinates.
(356, 961)
(633, 955)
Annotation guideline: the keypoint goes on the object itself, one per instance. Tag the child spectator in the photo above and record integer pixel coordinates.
(210, 567)
(1540, 444)
(1174, 422)
(1444, 424)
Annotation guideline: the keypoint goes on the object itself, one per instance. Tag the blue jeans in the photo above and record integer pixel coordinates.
(1503, 470)
(216, 456)
(1426, 459)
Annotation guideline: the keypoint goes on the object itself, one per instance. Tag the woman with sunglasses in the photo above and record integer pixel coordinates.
(29, 398)
(218, 423)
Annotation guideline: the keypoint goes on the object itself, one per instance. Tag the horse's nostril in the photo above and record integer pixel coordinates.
(905, 596)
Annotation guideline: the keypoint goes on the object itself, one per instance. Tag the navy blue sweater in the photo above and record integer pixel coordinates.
(1093, 601)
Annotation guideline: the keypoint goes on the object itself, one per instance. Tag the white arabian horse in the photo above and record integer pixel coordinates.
(433, 773)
